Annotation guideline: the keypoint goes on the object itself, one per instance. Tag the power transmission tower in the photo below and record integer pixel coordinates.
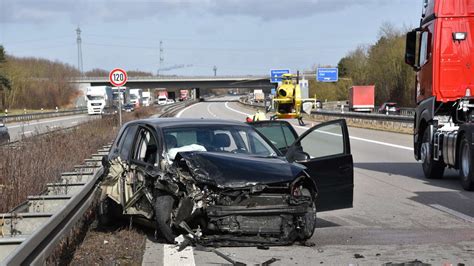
(215, 71)
(79, 50)
(162, 57)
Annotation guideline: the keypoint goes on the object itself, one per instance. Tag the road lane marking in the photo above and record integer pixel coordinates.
(42, 122)
(454, 213)
(27, 132)
(182, 111)
(237, 111)
(209, 110)
(351, 137)
(173, 257)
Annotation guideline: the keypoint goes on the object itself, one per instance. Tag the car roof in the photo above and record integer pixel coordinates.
(174, 122)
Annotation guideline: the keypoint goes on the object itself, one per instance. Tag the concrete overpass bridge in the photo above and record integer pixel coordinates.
(185, 82)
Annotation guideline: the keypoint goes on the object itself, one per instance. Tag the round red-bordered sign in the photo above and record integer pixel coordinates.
(118, 77)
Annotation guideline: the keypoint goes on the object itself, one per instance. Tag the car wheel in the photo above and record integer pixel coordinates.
(163, 211)
(431, 168)
(465, 165)
(309, 218)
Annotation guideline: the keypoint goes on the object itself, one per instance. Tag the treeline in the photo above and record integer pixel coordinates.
(98, 72)
(381, 64)
(35, 83)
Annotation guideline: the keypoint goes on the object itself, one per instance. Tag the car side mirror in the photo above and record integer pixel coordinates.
(105, 161)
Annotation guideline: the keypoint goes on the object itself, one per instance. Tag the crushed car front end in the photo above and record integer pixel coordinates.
(260, 201)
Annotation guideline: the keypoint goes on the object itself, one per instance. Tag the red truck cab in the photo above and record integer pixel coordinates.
(441, 51)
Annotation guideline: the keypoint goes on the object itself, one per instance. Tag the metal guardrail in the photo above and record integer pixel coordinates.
(368, 116)
(347, 114)
(37, 226)
(41, 115)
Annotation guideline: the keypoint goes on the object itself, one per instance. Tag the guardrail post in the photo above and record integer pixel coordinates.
(342, 108)
(6, 112)
(24, 111)
(57, 109)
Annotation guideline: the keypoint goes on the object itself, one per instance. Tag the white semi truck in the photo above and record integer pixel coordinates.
(99, 99)
(146, 98)
(136, 97)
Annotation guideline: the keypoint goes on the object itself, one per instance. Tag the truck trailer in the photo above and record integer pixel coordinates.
(183, 95)
(99, 100)
(362, 98)
(136, 97)
(146, 97)
(441, 51)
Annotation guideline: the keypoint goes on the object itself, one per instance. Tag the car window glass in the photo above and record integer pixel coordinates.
(279, 134)
(146, 148)
(324, 141)
(216, 139)
(126, 142)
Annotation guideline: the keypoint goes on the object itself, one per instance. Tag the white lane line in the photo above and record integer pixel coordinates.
(27, 132)
(454, 213)
(371, 141)
(237, 111)
(209, 110)
(42, 122)
(351, 137)
(184, 110)
(173, 257)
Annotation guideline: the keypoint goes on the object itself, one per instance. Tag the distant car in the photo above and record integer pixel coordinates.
(390, 107)
(128, 107)
(257, 183)
(4, 135)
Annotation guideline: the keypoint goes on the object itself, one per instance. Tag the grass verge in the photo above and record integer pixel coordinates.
(27, 167)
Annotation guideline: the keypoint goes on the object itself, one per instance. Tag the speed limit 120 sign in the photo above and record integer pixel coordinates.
(118, 77)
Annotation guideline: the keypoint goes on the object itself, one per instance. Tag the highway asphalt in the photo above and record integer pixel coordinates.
(398, 215)
(30, 128)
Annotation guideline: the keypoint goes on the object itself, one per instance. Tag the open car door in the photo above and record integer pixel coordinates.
(325, 150)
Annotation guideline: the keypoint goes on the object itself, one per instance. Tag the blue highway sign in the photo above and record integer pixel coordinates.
(327, 75)
(276, 74)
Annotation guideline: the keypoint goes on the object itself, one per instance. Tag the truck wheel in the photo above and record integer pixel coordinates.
(465, 165)
(431, 168)
(163, 209)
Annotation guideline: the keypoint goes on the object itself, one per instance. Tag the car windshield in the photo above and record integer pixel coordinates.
(94, 98)
(228, 139)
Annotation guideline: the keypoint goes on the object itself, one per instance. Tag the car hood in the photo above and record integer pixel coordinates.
(239, 170)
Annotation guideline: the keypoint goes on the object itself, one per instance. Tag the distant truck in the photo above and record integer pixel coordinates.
(123, 95)
(258, 96)
(183, 95)
(162, 97)
(136, 97)
(362, 98)
(99, 99)
(146, 98)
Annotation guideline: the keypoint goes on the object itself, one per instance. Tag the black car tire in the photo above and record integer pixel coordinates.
(431, 168)
(465, 165)
(163, 208)
(309, 219)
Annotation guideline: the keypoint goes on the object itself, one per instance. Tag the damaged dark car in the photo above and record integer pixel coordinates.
(228, 182)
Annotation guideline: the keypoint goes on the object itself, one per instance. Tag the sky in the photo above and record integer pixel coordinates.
(239, 37)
